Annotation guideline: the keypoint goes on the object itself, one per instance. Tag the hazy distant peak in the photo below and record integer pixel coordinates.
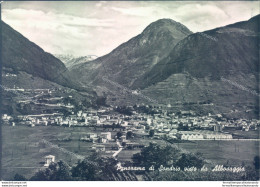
(71, 60)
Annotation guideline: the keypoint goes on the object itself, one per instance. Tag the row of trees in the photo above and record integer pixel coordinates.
(93, 168)
(155, 155)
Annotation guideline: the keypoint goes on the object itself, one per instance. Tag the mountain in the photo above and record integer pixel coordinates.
(215, 53)
(132, 59)
(25, 65)
(218, 68)
(70, 60)
(22, 55)
(213, 71)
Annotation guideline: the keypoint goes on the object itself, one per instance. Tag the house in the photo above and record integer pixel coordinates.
(99, 148)
(48, 160)
(79, 113)
(158, 135)
(105, 117)
(173, 132)
(92, 135)
(102, 140)
(6, 117)
(218, 128)
(106, 135)
(149, 121)
(124, 123)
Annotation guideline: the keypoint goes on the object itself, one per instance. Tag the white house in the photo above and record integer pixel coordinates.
(48, 160)
(106, 135)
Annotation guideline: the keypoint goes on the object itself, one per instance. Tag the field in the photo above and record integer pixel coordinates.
(243, 134)
(222, 152)
(24, 150)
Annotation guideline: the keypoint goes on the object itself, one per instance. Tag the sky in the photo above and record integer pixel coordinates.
(82, 28)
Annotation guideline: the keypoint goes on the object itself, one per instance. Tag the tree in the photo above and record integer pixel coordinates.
(119, 135)
(85, 103)
(124, 110)
(156, 155)
(63, 171)
(95, 168)
(86, 170)
(256, 162)
(40, 176)
(182, 128)
(59, 171)
(92, 168)
(190, 160)
(129, 135)
(101, 101)
(19, 177)
(151, 133)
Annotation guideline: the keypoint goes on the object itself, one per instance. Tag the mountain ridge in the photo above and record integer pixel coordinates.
(142, 51)
(21, 54)
(189, 73)
(70, 60)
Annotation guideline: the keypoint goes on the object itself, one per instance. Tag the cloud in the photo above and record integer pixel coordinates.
(97, 27)
(100, 3)
(134, 11)
(56, 33)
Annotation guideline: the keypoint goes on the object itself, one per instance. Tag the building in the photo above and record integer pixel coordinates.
(106, 135)
(92, 135)
(102, 140)
(189, 135)
(48, 160)
(210, 135)
(218, 128)
(6, 117)
(99, 148)
(131, 145)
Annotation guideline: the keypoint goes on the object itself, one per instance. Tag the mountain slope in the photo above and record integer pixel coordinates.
(214, 53)
(70, 60)
(20, 54)
(132, 59)
(217, 71)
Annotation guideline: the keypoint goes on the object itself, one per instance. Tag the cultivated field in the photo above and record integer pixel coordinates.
(24, 150)
(221, 152)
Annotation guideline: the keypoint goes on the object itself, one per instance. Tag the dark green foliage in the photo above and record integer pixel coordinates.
(119, 134)
(124, 110)
(182, 128)
(190, 160)
(156, 156)
(55, 172)
(256, 162)
(129, 135)
(94, 168)
(19, 177)
(151, 133)
(86, 171)
(101, 101)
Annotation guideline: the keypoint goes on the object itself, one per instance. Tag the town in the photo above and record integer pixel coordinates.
(113, 128)
(146, 120)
